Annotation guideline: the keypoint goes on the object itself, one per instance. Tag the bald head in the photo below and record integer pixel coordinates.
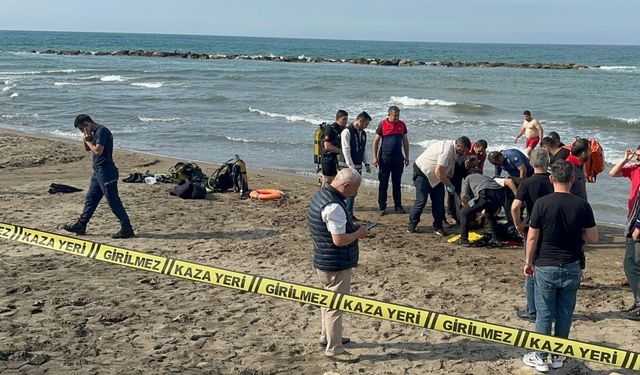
(347, 182)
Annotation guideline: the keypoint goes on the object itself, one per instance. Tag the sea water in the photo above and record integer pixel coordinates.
(266, 111)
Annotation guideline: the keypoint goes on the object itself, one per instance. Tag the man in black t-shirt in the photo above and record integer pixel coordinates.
(333, 146)
(562, 222)
(104, 180)
(532, 188)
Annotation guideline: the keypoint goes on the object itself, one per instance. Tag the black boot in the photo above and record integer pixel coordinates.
(77, 228)
(125, 232)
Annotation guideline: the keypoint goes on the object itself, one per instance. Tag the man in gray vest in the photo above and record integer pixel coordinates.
(335, 252)
(354, 142)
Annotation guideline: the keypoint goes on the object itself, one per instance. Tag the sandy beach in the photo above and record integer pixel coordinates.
(64, 314)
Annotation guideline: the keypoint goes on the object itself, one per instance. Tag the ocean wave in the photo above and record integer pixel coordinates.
(112, 78)
(66, 134)
(263, 141)
(633, 121)
(5, 89)
(413, 102)
(426, 143)
(149, 85)
(14, 95)
(606, 121)
(35, 72)
(68, 84)
(290, 118)
(158, 119)
(621, 68)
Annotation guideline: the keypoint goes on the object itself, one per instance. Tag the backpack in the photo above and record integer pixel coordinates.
(231, 174)
(187, 172)
(595, 164)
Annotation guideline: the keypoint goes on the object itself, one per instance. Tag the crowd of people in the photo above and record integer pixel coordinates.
(543, 196)
(549, 183)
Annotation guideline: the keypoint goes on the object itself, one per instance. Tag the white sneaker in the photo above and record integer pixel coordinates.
(557, 361)
(532, 360)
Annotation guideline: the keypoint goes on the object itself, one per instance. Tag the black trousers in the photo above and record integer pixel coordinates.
(489, 200)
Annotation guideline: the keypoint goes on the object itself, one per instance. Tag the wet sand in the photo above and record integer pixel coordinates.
(65, 314)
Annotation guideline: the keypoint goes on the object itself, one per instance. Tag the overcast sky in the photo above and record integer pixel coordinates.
(507, 21)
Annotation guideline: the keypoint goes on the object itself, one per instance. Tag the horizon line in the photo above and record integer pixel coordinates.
(316, 38)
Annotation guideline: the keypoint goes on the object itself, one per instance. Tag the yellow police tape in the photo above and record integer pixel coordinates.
(318, 297)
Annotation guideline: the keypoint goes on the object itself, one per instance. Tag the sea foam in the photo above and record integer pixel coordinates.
(112, 78)
(413, 102)
(290, 118)
(621, 68)
(157, 119)
(149, 85)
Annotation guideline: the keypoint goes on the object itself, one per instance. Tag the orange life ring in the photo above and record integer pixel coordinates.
(266, 194)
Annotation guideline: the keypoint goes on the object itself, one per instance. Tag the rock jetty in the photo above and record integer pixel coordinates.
(310, 59)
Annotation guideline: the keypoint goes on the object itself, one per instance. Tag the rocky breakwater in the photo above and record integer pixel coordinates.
(311, 59)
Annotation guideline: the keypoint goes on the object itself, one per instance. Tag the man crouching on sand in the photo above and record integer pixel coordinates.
(104, 180)
(335, 253)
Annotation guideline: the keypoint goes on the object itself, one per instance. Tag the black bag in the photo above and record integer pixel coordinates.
(189, 190)
(59, 188)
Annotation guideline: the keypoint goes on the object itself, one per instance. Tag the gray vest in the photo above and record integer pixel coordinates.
(326, 255)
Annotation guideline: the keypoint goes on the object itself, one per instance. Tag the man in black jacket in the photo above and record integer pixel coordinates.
(335, 252)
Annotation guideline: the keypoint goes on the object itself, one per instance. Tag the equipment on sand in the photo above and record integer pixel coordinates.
(266, 194)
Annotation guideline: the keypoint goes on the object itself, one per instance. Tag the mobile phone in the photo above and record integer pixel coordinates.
(371, 226)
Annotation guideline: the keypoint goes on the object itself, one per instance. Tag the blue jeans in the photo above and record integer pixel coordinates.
(390, 167)
(632, 268)
(529, 288)
(555, 293)
(349, 202)
(423, 190)
(104, 182)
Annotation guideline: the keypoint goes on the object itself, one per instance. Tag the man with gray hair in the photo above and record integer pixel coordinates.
(532, 188)
(335, 252)
(561, 222)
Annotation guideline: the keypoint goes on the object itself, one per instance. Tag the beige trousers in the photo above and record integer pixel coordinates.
(332, 319)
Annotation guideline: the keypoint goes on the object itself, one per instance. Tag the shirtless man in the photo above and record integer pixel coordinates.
(532, 132)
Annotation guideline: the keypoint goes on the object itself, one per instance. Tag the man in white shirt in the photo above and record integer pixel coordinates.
(354, 143)
(335, 253)
(432, 171)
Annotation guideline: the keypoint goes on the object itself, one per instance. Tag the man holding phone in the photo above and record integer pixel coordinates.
(632, 253)
(335, 252)
(104, 180)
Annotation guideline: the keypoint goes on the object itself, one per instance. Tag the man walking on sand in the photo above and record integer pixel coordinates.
(562, 222)
(335, 252)
(632, 253)
(532, 132)
(104, 180)
(391, 155)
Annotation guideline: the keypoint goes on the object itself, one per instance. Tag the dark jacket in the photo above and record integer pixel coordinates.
(326, 255)
(358, 143)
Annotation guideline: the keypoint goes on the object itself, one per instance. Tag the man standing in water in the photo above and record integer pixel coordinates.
(391, 155)
(104, 181)
(532, 131)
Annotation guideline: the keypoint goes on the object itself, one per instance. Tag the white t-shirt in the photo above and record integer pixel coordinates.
(335, 217)
(440, 153)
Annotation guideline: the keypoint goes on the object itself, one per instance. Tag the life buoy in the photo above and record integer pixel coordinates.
(266, 194)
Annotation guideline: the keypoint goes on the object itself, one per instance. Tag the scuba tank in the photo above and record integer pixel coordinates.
(318, 148)
(318, 143)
